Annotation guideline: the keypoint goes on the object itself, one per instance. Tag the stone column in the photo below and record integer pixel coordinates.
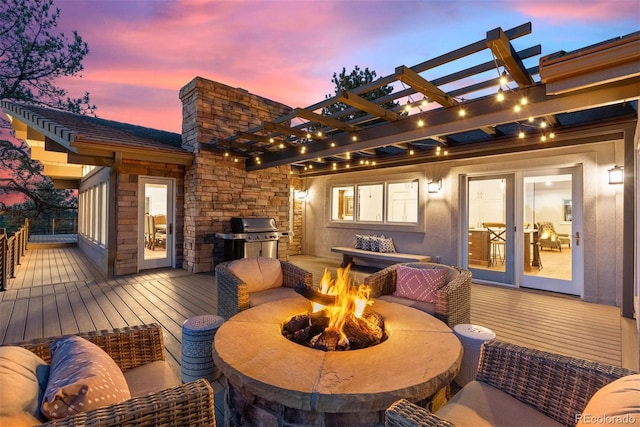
(216, 187)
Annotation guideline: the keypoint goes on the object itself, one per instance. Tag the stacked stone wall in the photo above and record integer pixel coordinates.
(217, 188)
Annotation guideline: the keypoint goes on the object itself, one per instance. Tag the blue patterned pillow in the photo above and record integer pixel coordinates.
(386, 245)
(366, 243)
(359, 241)
(375, 244)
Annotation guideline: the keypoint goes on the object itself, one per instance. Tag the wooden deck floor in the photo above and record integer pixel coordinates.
(57, 291)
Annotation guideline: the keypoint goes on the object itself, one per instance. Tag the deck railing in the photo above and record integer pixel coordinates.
(12, 249)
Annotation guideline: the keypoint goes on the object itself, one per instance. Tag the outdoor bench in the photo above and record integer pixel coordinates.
(384, 257)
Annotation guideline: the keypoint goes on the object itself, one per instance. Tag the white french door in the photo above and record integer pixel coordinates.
(523, 229)
(155, 223)
(553, 206)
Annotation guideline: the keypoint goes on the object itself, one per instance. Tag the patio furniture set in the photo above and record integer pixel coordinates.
(60, 381)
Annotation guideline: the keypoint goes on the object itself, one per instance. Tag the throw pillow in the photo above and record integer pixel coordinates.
(614, 404)
(259, 274)
(24, 377)
(375, 244)
(386, 245)
(359, 241)
(420, 284)
(366, 243)
(82, 377)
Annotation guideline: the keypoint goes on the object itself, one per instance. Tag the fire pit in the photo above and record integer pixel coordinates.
(274, 381)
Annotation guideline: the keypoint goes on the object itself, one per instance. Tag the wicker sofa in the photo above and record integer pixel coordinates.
(247, 282)
(453, 300)
(130, 348)
(526, 387)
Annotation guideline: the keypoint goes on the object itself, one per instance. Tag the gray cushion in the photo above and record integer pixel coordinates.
(618, 402)
(151, 378)
(263, 297)
(259, 274)
(480, 405)
(427, 307)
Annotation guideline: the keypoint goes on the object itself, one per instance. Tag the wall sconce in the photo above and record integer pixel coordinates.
(301, 194)
(434, 186)
(616, 175)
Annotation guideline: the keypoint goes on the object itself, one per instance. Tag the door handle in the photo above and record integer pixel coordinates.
(170, 228)
(577, 238)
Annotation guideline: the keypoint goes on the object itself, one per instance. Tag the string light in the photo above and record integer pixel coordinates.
(333, 144)
(462, 112)
(500, 95)
(411, 152)
(503, 79)
(420, 123)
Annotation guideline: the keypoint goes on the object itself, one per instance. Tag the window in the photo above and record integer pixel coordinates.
(342, 203)
(370, 202)
(390, 203)
(402, 201)
(93, 213)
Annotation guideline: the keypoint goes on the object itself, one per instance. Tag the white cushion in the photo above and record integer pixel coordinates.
(258, 274)
(617, 403)
(23, 379)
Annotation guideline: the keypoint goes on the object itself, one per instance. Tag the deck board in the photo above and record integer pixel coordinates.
(84, 300)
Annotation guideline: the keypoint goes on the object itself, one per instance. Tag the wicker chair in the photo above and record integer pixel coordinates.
(234, 295)
(557, 386)
(453, 301)
(189, 404)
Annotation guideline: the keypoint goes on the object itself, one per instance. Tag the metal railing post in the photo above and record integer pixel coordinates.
(3, 260)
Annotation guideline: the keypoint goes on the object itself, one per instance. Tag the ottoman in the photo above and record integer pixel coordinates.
(472, 337)
(197, 337)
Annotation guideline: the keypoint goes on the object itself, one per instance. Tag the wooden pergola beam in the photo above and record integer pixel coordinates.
(324, 120)
(366, 105)
(408, 76)
(501, 47)
(287, 130)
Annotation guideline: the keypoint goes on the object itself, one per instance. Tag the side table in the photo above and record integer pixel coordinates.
(472, 337)
(197, 338)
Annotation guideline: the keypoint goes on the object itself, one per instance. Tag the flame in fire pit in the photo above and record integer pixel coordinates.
(350, 301)
(339, 319)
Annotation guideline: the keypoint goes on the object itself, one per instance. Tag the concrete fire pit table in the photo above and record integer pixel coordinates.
(273, 381)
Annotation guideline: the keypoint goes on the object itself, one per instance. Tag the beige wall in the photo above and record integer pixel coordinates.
(440, 235)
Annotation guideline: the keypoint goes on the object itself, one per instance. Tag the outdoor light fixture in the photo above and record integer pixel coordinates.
(434, 186)
(616, 175)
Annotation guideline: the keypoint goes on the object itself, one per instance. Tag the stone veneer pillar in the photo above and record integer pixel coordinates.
(217, 188)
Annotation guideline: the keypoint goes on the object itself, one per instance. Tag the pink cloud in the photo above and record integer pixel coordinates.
(143, 52)
(580, 10)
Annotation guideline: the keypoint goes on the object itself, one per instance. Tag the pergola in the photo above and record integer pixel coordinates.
(564, 99)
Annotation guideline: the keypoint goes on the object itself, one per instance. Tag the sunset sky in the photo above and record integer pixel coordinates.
(142, 52)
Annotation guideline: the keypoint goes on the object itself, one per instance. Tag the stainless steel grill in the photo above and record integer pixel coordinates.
(251, 237)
